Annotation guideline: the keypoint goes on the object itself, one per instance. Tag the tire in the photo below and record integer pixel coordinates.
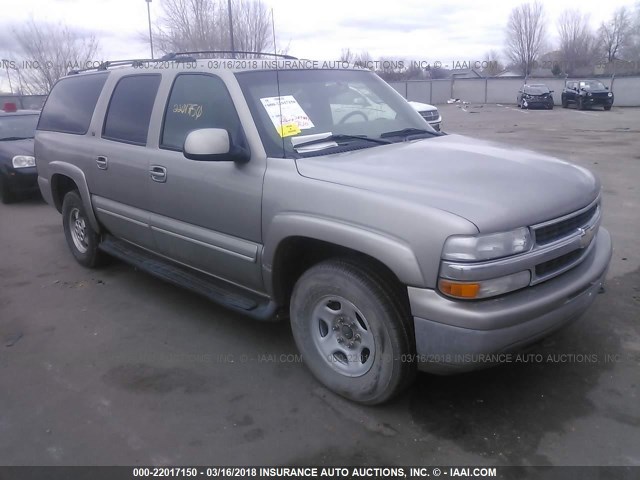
(580, 104)
(81, 237)
(353, 330)
(607, 107)
(565, 104)
(6, 195)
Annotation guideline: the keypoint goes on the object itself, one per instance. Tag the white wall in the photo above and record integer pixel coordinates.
(504, 90)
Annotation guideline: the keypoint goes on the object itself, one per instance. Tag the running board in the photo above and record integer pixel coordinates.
(214, 289)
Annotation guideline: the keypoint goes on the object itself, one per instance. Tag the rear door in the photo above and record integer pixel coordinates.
(119, 170)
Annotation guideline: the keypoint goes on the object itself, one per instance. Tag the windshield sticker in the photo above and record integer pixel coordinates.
(288, 130)
(287, 115)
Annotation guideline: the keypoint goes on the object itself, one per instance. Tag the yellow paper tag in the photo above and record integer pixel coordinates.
(288, 130)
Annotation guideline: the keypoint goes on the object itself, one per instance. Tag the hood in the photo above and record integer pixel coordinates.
(422, 107)
(496, 187)
(11, 148)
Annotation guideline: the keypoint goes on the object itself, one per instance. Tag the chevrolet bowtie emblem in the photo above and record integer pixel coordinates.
(585, 236)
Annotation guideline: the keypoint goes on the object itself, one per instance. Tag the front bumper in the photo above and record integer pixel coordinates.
(598, 100)
(455, 336)
(21, 179)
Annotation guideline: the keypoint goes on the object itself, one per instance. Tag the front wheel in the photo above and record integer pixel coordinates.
(81, 237)
(565, 104)
(353, 331)
(607, 107)
(580, 104)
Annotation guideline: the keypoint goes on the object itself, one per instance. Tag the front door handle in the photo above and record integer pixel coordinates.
(158, 173)
(102, 162)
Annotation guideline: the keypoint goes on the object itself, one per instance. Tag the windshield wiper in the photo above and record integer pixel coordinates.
(14, 138)
(337, 137)
(406, 132)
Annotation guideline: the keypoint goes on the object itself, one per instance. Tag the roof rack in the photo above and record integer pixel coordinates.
(123, 63)
(171, 56)
(181, 57)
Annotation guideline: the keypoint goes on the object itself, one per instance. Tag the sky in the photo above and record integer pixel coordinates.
(428, 30)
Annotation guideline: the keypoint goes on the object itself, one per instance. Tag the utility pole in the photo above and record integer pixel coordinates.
(149, 17)
(233, 49)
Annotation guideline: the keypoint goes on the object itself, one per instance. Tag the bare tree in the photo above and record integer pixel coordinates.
(578, 44)
(188, 25)
(48, 51)
(346, 55)
(615, 34)
(526, 33)
(491, 65)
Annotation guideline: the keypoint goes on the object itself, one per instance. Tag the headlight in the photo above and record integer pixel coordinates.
(609, 94)
(475, 248)
(23, 161)
(588, 94)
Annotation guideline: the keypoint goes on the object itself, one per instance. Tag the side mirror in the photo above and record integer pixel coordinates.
(606, 88)
(550, 91)
(212, 145)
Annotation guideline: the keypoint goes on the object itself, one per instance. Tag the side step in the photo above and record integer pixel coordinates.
(214, 289)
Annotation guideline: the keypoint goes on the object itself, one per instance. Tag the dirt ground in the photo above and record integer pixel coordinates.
(112, 366)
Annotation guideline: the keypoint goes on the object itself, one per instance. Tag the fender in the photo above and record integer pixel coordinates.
(391, 251)
(76, 174)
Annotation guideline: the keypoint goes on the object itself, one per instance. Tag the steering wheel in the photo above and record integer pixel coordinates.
(353, 114)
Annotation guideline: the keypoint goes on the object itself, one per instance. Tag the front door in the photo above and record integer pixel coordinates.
(206, 214)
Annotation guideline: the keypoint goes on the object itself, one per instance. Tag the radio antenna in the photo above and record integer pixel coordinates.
(275, 50)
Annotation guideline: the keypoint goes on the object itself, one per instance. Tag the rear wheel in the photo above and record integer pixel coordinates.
(353, 331)
(81, 237)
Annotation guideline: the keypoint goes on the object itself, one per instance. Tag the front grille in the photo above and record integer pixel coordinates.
(556, 231)
(557, 263)
(430, 115)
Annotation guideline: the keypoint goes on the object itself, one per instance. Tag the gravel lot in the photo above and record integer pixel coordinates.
(112, 366)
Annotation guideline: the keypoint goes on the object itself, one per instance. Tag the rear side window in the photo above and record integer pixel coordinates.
(71, 102)
(198, 101)
(130, 109)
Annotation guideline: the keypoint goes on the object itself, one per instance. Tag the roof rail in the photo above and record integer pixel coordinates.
(139, 62)
(172, 56)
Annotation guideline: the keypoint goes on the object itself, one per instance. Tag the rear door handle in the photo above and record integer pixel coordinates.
(158, 173)
(102, 162)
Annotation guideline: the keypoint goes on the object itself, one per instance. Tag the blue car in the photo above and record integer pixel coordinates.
(17, 164)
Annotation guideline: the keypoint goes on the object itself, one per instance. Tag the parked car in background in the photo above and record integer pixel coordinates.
(17, 164)
(535, 95)
(429, 113)
(586, 93)
(390, 247)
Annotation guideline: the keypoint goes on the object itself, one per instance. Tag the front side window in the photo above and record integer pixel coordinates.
(198, 101)
(18, 127)
(130, 109)
(70, 104)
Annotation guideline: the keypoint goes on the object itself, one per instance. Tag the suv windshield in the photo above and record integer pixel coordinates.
(17, 127)
(343, 103)
(592, 85)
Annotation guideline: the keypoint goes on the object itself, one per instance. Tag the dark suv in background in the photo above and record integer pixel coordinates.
(586, 93)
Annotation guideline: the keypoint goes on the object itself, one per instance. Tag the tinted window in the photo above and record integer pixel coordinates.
(130, 109)
(70, 105)
(198, 101)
